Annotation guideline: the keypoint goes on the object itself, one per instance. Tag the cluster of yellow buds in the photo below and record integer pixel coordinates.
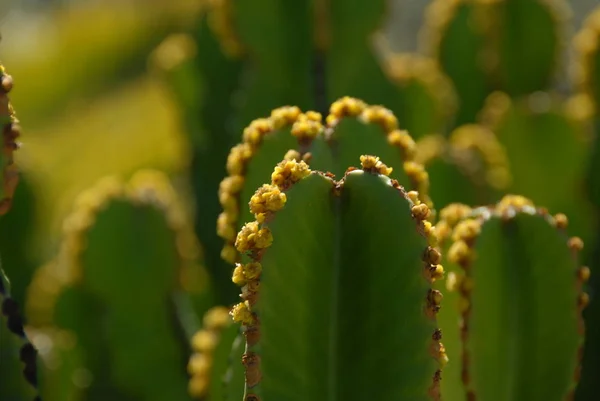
(203, 344)
(304, 126)
(372, 164)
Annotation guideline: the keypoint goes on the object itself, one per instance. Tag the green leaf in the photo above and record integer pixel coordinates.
(345, 272)
(523, 322)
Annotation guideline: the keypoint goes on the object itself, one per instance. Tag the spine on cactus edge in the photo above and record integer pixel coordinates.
(466, 226)
(10, 132)
(15, 324)
(304, 126)
(348, 107)
(255, 238)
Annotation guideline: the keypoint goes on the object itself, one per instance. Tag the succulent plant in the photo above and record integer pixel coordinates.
(335, 221)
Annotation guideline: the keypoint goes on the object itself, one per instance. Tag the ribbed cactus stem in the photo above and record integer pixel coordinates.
(466, 225)
(303, 126)
(348, 107)
(10, 132)
(146, 187)
(255, 239)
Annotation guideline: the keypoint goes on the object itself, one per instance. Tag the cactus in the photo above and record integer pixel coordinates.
(122, 236)
(18, 360)
(586, 77)
(16, 239)
(503, 253)
(335, 283)
(340, 264)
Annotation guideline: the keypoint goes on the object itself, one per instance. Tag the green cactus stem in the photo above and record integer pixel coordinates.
(278, 38)
(205, 91)
(265, 141)
(209, 363)
(528, 36)
(453, 34)
(426, 96)
(18, 359)
(235, 376)
(327, 147)
(533, 130)
(314, 265)
(522, 329)
(16, 237)
(10, 132)
(122, 238)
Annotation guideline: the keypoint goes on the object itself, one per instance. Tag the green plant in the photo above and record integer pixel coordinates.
(340, 264)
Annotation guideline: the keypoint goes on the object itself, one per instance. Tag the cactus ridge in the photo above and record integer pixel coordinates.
(15, 323)
(348, 107)
(146, 187)
(9, 124)
(466, 226)
(304, 126)
(255, 238)
(204, 343)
